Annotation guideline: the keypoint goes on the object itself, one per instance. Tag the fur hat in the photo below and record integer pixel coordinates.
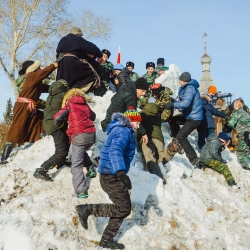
(160, 61)
(130, 64)
(150, 64)
(107, 52)
(76, 31)
(141, 83)
(220, 104)
(212, 89)
(223, 136)
(133, 115)
(118, 66)
(29, 66)
(185, 76)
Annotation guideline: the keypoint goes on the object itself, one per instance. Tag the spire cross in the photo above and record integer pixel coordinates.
(205, 43)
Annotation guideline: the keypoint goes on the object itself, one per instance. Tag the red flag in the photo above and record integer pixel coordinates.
(118, 56)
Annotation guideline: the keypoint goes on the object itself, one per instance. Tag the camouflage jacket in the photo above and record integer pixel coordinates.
(161, 68)
(151, 78)
(134, 76)
(240, 120)
(164, 97)
(106, 71)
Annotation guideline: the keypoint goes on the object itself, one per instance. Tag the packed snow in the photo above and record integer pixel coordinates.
(195, 210)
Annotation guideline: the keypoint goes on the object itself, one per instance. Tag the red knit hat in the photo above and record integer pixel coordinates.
(133, 115)
(212, 89)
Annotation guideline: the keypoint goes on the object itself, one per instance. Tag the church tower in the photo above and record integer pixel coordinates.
(206, 78)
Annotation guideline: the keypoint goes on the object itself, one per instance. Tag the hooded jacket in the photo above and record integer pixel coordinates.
(208, 112)
(151, 121)
(78, 113)
(190, 101)
(212, 149)
(119, 148)
(120, 102)
(57, 91)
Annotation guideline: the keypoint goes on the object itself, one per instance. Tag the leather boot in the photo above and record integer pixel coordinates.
(6, 152)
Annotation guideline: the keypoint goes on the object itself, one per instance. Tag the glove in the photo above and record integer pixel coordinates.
(125, 179)
(226, 128)
(169, 105)
(246, 138)
(60, 57)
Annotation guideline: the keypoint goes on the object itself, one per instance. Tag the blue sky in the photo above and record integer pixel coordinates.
(147, 30)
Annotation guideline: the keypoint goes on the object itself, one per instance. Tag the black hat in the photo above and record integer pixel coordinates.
(160, 61)
(105, 51)
(25, 65)
(185, 76)
(141, 83)
(150, 64)
(131, 64)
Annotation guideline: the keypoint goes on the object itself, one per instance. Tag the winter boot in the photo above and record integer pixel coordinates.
(232, 183)
(8, 146)
(83, 213)
(201, 165)
(83, 195)
(111, 244)
(180, 149)
(170, 152)
(40, 173)
(153, 168)
(195, 161)
(91, 172)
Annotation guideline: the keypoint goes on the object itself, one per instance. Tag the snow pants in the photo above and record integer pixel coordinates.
(81, 158)
(61, 141)
(220, 168)
(121, 208)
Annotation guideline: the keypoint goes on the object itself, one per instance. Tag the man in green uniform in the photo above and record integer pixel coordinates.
(151, 75)
(161, 68)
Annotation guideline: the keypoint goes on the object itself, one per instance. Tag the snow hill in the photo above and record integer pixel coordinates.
(195, 210)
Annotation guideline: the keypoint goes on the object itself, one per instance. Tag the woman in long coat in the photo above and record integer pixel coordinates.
(27, 123)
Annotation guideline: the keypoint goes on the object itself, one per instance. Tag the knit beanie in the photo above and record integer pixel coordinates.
(141, 83)
(130, 64)
(212, 90)
(150, 64)
(133, 115)
(185, 76)
(107, 52)
(223, 136)
(118, 66)
(76, 31)
(160, 61)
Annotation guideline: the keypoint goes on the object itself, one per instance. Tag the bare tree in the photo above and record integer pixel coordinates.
(30, 28)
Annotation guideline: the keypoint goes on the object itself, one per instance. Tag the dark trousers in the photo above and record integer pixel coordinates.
(203, 133)
(121, 208)
(61, 141)
(182, 134)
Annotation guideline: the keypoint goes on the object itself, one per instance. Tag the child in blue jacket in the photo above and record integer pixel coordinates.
(116, 156)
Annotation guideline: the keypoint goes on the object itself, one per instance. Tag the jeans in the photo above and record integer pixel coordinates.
(202, 135)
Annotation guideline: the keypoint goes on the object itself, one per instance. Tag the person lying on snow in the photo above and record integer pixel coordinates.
(116, 156)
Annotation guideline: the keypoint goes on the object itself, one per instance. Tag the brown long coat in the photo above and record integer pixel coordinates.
(27, 126)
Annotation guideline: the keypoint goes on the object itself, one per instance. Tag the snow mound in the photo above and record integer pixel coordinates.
(195, 210)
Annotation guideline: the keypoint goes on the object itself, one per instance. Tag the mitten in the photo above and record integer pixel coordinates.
(125, 179)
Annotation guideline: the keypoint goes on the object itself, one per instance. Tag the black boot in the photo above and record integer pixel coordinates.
(154, 168)
(6, 152)
(40, 173)
(83, 213)
(111, 244)
(232, 183)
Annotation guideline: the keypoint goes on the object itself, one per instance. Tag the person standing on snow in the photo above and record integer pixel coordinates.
(57, 92)
(192, 114)
(114, 164)
(78, 66)
(27, 123)
(81, 131)
(105, 71)
(240, 120)
(151, 75)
